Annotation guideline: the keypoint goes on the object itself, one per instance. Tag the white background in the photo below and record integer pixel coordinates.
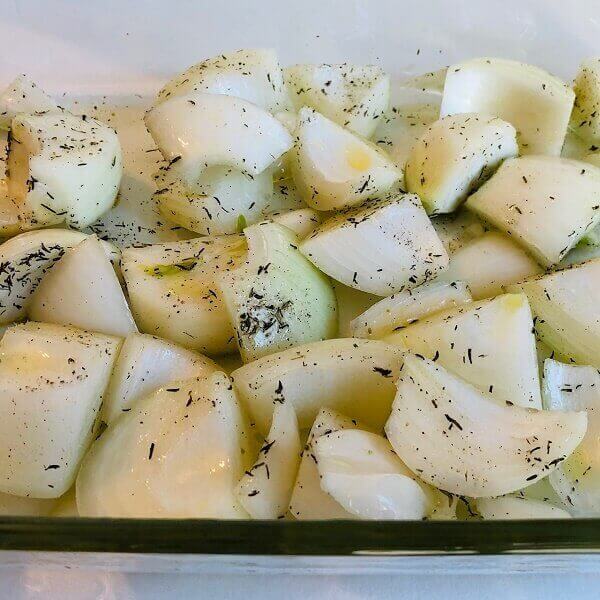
(120, 47)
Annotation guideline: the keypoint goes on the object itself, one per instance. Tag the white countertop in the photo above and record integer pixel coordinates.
(50, 584)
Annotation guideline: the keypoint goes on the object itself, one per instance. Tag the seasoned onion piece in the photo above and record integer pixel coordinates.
(335, 169)
(23, 96)
(488, 263)
(545, 203)
(353, 96)
(585, 119)
(83, 290)
(253, 75)
(565, 304)
(381, 247)
(517, 507)
(362, 473)
(145, 364)
(490, 344)
(173, 290)
(25, 258)
(223, 200)
(52, 379)
(62, 168)
(265, 490)
(354, 376)
(455, 156)
(196, 131)
(308, 500)
(577, 479)
(535, 102)
(276, 299)
(465, 442)
(177, 454)
(402, 309)
(302, 221)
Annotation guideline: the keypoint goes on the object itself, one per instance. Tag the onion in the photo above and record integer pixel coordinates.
(408, 306)
(490, 344)
(265, 490)
(536, 103)
(577, 479)
(276, 299)
(335, 169)
(566, 309)
(545, 203)
(381, 247)
(463, 441)
(455, 156)
(349, 375)
(354, 96)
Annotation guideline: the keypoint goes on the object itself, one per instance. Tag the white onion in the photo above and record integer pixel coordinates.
(465, 442)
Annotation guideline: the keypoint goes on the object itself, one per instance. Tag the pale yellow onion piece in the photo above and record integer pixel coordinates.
(354, 96)
(21, 506)
(146, 363)
(577, 479)
(455, 156)
(62, 168)
(545, 203)
(157, 462)
(308, 500)
(535, 102)
(22, 95)
(585, 119)
(302, 221)
(458, 229)
(82, 290)
(196, 131)
(463, 441)
(488, 263)
(349, 375)
(173, 291)
(515, 507)
(66, 505)
(333, 168)
(252, 74)
(431, 82)
(489, 343)
(408, 306)
(26, 258)
(360, 470)
(566, 310)
(381, 247)
(351, 304)
(222, 201)
(265, 490)
(414, 105)
(277, 299)
(52, 379)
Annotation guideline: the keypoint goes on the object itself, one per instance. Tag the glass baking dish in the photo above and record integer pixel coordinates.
(113, 50)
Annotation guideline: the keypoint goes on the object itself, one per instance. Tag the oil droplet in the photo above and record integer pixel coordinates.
(358, 158)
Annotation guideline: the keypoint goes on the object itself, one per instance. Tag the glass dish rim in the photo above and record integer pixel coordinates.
(294, 538)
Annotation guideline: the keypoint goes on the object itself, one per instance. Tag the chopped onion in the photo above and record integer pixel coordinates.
(406, 307)
(577, 479)
(381, 247)
(545, 203)
(490, 344)
(535, 102)
(465, 442)
(349, 375)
